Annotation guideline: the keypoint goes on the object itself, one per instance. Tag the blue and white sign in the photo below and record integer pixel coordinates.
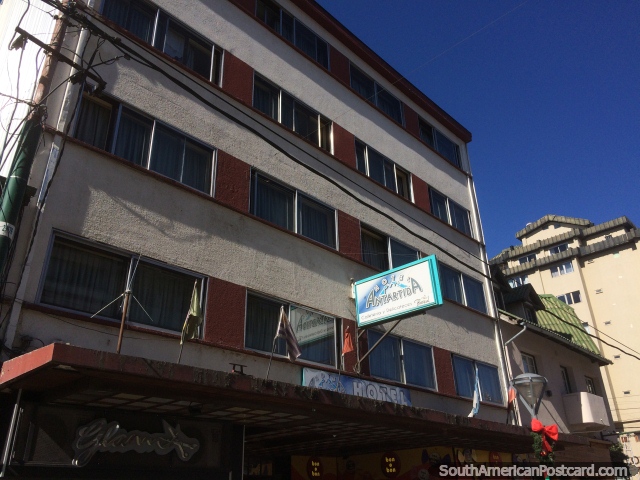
(397, 292)
(355, 386)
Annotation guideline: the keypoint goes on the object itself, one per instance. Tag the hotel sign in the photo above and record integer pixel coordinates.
(397, 292)
(355, 386)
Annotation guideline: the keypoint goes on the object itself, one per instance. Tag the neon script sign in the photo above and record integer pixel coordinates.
(100, 436)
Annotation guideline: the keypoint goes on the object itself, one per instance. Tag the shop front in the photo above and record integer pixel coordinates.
(71, 412)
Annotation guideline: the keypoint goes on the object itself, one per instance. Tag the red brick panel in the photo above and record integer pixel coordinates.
(411, 121)
(339, 66)
(224, 323)
(237, 79)
(444, 371)
(349, 358)
(349, 235)
(344, 146)
(248, 5)
(232, 181)
(421, 193)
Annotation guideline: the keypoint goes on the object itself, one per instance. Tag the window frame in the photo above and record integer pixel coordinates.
(461, 284)
(570, 298)
(293, 38)
(288, 305)
(563, 247)
(564, 374)
(324, 125)
(216, 53)
(449, 205)
(397, 170)
(378, 91)
(518, 281)
(562, 269)
(366, 230)
(527, 258)
(433, 141)
(132, 263)
(256, 175)
(402, 366)
(117, 109)
(475, 364)
(529, 364)
(591, 385)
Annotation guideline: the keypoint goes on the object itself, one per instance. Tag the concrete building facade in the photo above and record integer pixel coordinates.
(595, 270)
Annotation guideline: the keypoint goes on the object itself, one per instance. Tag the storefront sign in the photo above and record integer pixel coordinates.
(100, 436)
(397, 292)
(310, 326)
(355, 386)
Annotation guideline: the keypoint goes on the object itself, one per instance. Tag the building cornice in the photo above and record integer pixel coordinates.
(581, 233)
(575, 252)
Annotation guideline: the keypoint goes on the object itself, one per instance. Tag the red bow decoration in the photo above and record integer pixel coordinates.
(550, 431)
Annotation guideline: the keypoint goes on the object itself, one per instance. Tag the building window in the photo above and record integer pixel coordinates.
(465, 370)
(518, 281)
(293, 30)
(529, 364)
(374, 93)
(566, 385)
(570, 298)
(292, 210)
(382, 170)
(377, 249)
(527, 258)
(401, 360)
(314, 331)
(174, 39)
(288, 111)
(462, 289)
(83, 278)
(450, 212)
(561, 269)
(117, 129)
(591, 385)
(558, 249)
(440, 143)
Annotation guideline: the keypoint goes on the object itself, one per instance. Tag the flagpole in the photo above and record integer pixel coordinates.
(182, 343)
(271, 357)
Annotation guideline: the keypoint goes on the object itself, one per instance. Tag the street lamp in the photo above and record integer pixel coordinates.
(530, 388)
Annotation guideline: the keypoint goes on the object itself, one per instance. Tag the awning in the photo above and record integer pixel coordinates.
(280, 418)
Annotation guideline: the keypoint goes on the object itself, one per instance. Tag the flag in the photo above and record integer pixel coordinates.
(285, 331)
(194, 317)
(511, 403)
(347, 344)
(476, 397)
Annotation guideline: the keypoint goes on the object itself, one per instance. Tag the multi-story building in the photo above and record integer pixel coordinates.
(596, 270)
(543, 336)
(256, 156)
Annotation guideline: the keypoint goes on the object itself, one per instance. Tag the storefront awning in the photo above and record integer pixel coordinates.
(280, 418)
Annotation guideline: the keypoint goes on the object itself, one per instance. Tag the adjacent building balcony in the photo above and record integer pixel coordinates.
(585, 412)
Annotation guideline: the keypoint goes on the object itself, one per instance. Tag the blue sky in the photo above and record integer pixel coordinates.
(550, 91)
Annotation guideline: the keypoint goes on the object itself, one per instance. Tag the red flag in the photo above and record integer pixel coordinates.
(347, 344)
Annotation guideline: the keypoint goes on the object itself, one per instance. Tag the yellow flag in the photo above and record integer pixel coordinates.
(194, 317)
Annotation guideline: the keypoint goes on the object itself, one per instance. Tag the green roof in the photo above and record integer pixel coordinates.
(562, 319)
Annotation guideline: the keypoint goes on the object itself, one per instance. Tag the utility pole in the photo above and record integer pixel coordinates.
(16, 184)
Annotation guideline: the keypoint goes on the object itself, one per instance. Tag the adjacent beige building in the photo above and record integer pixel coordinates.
(596, 270)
